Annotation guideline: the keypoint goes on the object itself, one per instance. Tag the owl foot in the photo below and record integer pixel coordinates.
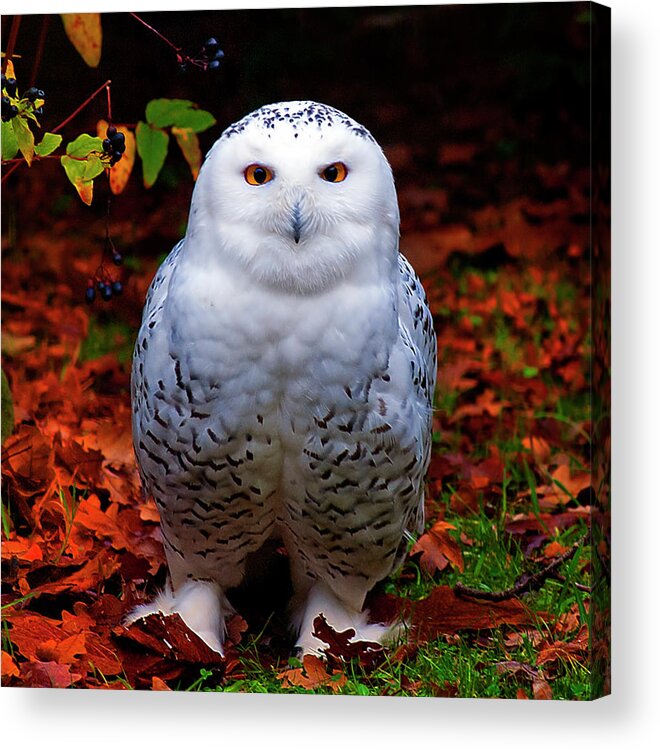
(200, 604)
(341, 617)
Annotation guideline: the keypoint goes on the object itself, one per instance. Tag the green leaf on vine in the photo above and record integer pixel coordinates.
(48, 144)
(152, 145)
(24, 138)
(179, 113)
(9, 142)
(83, 145)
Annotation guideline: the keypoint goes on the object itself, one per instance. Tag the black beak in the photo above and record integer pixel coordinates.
(296, 222)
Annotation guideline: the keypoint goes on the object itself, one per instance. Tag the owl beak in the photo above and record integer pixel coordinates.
(296, 222)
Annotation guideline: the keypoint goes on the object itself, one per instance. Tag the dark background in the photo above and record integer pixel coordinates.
(513, 78)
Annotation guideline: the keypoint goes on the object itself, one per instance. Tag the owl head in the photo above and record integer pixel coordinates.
(298, 196)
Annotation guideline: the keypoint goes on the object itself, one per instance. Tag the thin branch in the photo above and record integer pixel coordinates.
(82, 106)
(526, 583)
(11, 41)
(40, 49)
(156, 32)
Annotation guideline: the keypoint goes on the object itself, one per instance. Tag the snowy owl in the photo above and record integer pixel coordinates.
(283, 376)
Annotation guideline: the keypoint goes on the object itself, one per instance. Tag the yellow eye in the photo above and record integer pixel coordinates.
(336, 172)
(257, 174)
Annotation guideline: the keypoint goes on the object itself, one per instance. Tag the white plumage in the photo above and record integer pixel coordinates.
(283, 375)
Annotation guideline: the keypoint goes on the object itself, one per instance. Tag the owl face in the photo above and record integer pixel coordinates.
(300, 196)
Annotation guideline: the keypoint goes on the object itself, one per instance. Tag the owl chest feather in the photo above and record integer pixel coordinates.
(245, 378)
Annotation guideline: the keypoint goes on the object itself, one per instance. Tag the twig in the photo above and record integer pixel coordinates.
(156, 32)
(40, 49)
(528, 582)
(11, 42)
(82, 106)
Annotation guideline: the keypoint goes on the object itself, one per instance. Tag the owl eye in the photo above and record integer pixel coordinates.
(257, 174)
(336, 172)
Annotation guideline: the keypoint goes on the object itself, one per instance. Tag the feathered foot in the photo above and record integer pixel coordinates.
(200, 604)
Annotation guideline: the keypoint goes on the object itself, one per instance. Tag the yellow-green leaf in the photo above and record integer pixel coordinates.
(9, 142)
(84, 32)
(24, 138)
(152, 146)
(189, 145)
(121, 171)
(48, 144)
(75, 171)
(83, 145)
(93, 167)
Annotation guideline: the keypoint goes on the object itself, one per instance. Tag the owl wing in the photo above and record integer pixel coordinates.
(151, 314)
(418, 335)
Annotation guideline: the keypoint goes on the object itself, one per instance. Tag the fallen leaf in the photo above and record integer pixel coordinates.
(313, 674)
(438, 548)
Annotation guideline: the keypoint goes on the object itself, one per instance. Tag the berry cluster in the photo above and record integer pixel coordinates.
(9, 91)
(208, 58)
(107, 288)
(32, 94)
(212, 54)
(114, 144)
(9, 110)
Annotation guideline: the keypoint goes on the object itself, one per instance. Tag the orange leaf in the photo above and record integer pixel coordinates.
(84, 32)
(554, 549)
(438, 548)
(158, 684)
(64, 652)
(538, 447)
(121, 171)
(312, 674)
(189, 145)
(9, 668)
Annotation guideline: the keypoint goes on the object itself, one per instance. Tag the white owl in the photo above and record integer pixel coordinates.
(283, 375)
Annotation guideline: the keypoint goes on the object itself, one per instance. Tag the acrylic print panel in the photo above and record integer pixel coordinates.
(280, 443)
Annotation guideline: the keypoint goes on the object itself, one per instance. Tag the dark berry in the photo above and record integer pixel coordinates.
(90, 294)
(34, 93)
(111, 131)
(107, 146)
(117, 287)
(211, 45)
(9, 110)
(117, 259)
(117, 137)
(100, 285)
(213, 65)
(106, 292)
(219, 55)
(10, 85)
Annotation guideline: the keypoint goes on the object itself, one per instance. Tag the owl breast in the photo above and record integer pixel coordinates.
(259, 415)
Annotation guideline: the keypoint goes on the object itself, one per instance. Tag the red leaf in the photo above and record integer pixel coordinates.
(438, 548)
